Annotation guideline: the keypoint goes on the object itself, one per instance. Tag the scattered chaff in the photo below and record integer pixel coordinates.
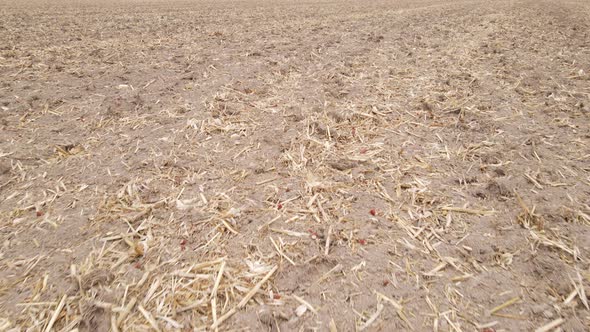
(56, 313)
(305, 303)
(551, 325)
(166, 191)
(468, 211)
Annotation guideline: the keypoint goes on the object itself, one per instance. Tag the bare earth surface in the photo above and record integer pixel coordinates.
(295, 165)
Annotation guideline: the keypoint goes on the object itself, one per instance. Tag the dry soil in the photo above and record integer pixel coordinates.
(294, 165)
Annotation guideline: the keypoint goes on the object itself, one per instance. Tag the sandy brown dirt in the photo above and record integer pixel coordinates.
(295, 166)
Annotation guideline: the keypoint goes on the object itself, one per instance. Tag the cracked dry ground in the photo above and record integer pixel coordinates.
(295, 166)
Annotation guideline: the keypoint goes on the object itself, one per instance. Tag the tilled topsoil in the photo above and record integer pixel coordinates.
(295, 166)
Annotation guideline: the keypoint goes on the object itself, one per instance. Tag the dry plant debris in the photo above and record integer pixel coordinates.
(294, 166)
